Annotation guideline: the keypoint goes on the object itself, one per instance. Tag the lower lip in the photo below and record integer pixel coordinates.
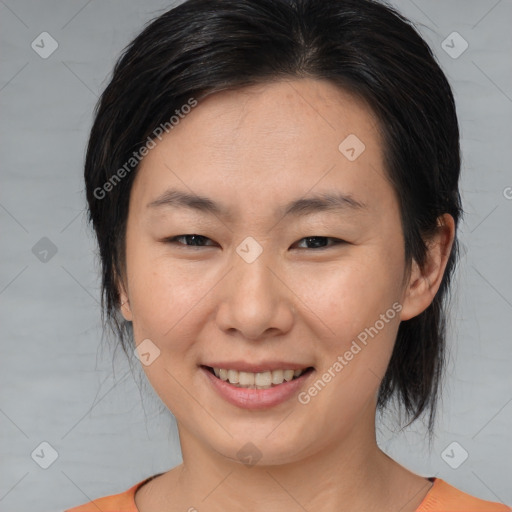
(247, 398)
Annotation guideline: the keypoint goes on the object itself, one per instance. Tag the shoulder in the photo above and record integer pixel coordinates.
(122, 502)
(443, 497)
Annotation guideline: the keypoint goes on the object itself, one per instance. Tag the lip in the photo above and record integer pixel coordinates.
(256, 399)
(243, 366)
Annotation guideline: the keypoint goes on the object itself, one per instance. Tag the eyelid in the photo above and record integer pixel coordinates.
(337, 241)
(174, 240)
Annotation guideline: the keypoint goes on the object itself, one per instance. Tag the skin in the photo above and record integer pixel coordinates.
(253, 150)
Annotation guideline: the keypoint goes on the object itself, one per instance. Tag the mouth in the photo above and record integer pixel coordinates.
(265, 379)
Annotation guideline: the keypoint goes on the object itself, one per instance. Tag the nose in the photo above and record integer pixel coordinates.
(255, 301)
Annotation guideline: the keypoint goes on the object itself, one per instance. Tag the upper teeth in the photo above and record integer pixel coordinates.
(261, 380)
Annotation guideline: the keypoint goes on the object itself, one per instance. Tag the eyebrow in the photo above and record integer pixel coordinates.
(321, 202)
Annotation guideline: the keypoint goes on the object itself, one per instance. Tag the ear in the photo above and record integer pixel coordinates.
(125, 301)
(424, 283)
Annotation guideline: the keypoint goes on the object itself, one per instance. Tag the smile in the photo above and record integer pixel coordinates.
(259, 380)
(256, 390)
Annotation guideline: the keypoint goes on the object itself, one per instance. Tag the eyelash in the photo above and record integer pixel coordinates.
(175, 239)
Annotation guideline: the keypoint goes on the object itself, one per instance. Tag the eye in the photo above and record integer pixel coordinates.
(319, 242)
(196, 240)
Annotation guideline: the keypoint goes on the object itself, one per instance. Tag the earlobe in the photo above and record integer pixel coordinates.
(125, 309)
(125, 303)
(425, 282)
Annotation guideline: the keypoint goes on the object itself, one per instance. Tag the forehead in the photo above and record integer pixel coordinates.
(269, 143)
(278, 116)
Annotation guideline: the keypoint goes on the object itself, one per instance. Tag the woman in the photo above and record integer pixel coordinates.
(274, 189)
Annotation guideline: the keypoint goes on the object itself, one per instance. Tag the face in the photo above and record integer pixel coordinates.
(277, 276)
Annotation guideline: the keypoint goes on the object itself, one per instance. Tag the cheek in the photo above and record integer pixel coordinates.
(358, 302)
(166, 301)
(350, 294)
(164, 296)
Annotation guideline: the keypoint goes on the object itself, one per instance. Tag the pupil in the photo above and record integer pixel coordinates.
(317, 238)
(194, 238)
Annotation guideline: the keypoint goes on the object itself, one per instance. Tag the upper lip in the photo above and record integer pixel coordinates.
(243, 366)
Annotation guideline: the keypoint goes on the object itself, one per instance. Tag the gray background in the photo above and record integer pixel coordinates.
(58, 381)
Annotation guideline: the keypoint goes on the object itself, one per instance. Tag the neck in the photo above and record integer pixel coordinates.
(351, 475)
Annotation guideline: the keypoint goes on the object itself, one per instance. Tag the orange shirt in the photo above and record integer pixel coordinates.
(441, 497)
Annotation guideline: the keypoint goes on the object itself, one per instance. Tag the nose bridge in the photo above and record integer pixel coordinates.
(252, 278)
(254, 300)
(254, 273)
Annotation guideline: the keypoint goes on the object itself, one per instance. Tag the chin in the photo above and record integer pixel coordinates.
(263, 447)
